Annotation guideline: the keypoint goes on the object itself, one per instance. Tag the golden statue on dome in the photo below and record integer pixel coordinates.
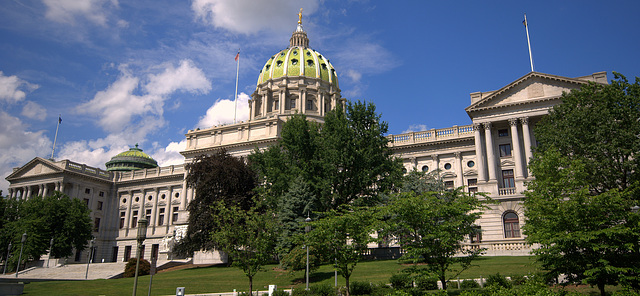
(300, 17)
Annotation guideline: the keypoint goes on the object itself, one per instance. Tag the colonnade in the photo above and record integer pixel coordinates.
(43, 189)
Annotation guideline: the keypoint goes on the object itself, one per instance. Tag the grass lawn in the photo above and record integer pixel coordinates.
(225, 279)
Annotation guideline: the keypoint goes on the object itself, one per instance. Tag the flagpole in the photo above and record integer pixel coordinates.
(235, 108)
(56, 136)
(526, 26)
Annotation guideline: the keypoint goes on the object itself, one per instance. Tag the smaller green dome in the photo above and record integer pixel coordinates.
(134, 159)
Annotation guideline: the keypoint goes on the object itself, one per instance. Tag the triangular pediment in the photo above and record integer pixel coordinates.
(532, 88)
(37, 166)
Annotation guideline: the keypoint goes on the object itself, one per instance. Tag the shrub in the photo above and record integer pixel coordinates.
(323, 290)
(518, 280)
(301, 292)
(400, 281)
(498, 280)
(426, 282)
(469, 284)
(381, 289)
(279, 293)
(360, 288)
(130, 268)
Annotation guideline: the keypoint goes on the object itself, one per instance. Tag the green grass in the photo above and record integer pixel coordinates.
(225, 279)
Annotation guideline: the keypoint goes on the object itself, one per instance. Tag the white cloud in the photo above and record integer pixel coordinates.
(250, 16)
(222, 112)
(415, 128)
(12, 88)
(170, 155)
(65, 11)
(33, 110)
(186, 77)
(354, 75)
(18, 145)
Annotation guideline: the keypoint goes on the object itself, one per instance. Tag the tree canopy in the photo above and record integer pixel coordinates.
(586, 170)
(218, 177)
(64, 219)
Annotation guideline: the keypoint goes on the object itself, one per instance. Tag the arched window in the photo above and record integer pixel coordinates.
(511, 225)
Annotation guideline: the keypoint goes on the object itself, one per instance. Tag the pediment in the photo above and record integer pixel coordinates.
(507, 162)
(448, 175)
(35, 167)
(470, 173)
(531, 88)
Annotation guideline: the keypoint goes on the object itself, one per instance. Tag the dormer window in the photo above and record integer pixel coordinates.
(279, 63)
(310, 63)
(294, 61)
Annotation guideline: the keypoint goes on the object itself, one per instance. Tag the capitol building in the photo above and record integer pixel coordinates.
(490, 155)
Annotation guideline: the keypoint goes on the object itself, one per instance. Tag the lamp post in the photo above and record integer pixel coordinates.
(24, 239)
(89, 256)
(50, 251)
(307, 229)
(6, 260)
(142, 235)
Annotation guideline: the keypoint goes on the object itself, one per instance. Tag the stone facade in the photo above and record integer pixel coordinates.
(490, 155)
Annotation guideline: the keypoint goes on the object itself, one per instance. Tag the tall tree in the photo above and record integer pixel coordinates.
(296, 204)
(64, 219)
(587, 176)
(342, 235)
(247, 236)
(431, 226)
(218, 177)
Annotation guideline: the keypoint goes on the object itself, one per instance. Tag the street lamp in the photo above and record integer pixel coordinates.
(307, 229)
(6, 260)
(50, 251)
(142, 235)
(24, 239)
(89, 256)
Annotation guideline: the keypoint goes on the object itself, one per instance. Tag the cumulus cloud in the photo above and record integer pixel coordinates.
(170, 155)
(18, 145)
(66, 11)
(12, 88)
(415, 128)
(33, 110)
(250, 16)
(222, 112)
(123, 101)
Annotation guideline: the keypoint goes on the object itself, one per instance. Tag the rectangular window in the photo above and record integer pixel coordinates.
(505, 150)
(122, 219)
(127, 253)
(309, 104)
(114, 254)
(507, 179)
(148, 216)
(448, 184)
(503, 132)
(134, 219)
(276, 104)
(174, 218)
(99, 206)
(472, 185)
(87, 190)
(293, 103)
(476, 235)
(101, 194)
(161, 217)
(96, 224)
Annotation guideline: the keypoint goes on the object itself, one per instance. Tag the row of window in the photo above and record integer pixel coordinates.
(159, 222)
(150, 197)
(511, 225)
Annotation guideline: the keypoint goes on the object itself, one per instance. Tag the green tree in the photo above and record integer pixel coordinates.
(247, 236)
(218, 177)
(293, 206)
(64, 219)
(342, 235)
(430, 228)
(578, 207)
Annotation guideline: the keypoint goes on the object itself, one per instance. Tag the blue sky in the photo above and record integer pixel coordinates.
(126, 72)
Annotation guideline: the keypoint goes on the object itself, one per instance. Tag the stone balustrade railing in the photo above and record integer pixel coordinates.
(83, 168)
(149, 173)
(506, 191)
(430, 135)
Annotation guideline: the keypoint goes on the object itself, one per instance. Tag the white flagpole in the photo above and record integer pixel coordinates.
(56, 136)
(235, 108)
(526, 26)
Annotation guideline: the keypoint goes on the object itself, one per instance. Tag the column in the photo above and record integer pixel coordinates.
(57, 186)
(62, 185)
(515, 141)
(28, 192)
(10, 192)
(459, 178)
(491, 157)
(436, 162)
(480, 158)
(40, 190)
(154, 211)
(127, 215)
(282, 102)
(526, 136)
(303, 102)
(183, 194)
(45, 190)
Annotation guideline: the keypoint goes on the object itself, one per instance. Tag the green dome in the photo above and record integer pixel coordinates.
(134, 159)
(298, 61)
